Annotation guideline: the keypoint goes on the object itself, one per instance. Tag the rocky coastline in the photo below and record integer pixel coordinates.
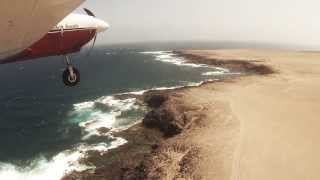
(249, 67)
(162, 134)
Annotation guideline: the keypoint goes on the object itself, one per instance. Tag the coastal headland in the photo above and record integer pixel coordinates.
(261, 125)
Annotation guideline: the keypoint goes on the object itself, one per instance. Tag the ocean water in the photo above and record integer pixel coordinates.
(44, 126)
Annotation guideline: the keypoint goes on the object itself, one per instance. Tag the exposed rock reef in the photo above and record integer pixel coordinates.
(239, 65)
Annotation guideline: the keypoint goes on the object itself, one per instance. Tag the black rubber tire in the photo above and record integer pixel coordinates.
(66, 79)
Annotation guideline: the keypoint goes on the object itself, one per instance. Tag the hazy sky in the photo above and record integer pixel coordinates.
(275, 21)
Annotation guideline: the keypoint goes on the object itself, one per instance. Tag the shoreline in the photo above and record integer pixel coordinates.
(256, 126)
(163, 131)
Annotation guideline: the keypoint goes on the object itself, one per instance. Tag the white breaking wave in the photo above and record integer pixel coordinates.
(68, 160)
(218, 71)
(212, 73)
(202, 82)
(91, 116)
(170, 57)
(152, 89)
(215, 73)
(60, 165)
(105, 118)
(188, 84)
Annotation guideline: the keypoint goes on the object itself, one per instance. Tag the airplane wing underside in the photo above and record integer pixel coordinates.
(22, 23)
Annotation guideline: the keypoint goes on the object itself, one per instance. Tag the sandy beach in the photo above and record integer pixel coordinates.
(262, 125)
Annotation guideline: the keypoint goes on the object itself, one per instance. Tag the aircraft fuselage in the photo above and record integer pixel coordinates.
(69, 36)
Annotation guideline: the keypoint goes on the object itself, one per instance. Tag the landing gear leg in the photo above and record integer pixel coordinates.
(71, 76)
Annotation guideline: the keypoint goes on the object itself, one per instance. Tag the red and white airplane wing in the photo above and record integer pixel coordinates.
(22, 23)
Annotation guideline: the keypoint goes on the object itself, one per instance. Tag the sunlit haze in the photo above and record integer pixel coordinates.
(272, 21)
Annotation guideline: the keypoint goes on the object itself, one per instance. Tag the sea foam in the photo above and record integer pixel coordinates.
(103, 112)
(170, 57)
(60, 165)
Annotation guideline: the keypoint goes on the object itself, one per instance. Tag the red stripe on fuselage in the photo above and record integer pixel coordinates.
(55, 43)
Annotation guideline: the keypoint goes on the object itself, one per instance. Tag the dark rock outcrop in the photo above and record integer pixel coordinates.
(165, 114)
(101, 106)
(168, 121)
(155, 100)
(104, 130)
(237, 65)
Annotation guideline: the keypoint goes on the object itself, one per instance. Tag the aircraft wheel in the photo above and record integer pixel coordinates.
(70, 80)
